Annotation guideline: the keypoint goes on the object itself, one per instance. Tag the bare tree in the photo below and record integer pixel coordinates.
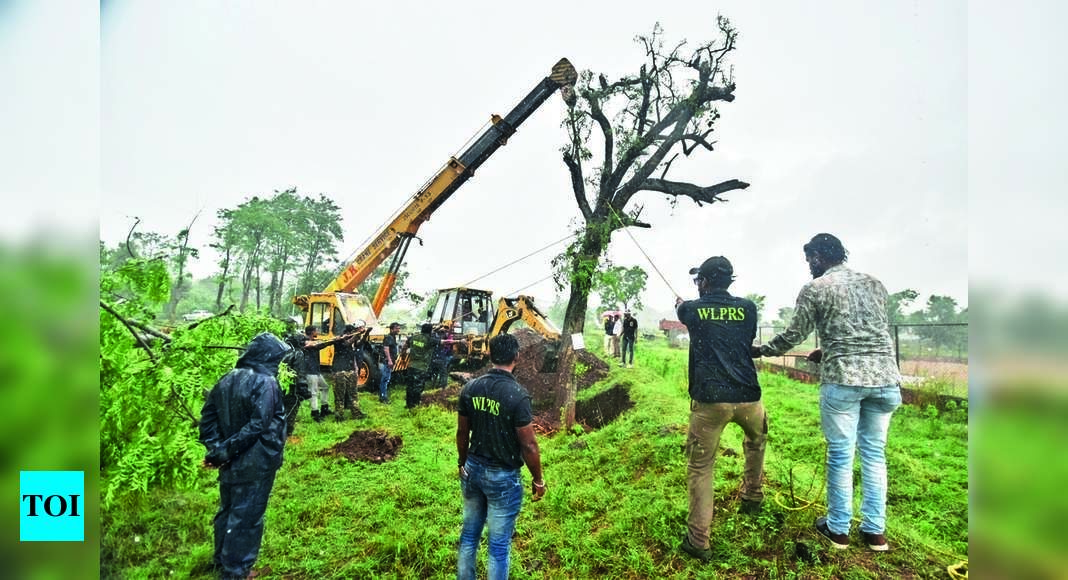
(643, 122)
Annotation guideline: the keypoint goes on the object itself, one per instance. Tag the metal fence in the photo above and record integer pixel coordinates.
(932, 354)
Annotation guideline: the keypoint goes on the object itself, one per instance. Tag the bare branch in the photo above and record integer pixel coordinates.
(709, 194)
(129, 234)
(149, 330)
(667, 165)
(606, 130)
(698, 141)
(226, 312)
(578, 185)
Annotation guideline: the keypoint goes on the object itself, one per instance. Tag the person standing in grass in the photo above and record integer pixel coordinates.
(243, 428)
(860, 384)
(630, 335)
(617, 333)
(390, 352)
(609, 322)
(494, 438)
(320, 389)
(345, 375)
(723, 389)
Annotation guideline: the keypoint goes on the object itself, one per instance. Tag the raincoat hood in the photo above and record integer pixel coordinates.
(264, 353)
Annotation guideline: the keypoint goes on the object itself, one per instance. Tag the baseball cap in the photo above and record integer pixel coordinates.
(714, 267)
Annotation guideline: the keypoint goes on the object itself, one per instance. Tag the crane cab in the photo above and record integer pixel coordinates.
(463, 311)
(330, 312)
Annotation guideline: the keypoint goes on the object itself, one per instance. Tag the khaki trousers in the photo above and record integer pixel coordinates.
(707, 421)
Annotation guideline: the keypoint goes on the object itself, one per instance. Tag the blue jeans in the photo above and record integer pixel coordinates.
(383, 386)
(492, 498)
(628, 346)
(856, 418)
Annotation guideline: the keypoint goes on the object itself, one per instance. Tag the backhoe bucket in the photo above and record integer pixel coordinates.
(565, 75)
(551, 359)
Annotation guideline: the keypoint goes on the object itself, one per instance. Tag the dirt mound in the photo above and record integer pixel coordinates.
(446, 397)
(547, 389)
(373, 446)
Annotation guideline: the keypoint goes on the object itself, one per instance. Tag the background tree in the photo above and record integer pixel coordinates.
(896, 304)
(278, 238)
(180, 257)
(617, 285)
(940, 312)
(644, 122)
(785, 315)
(759, 300)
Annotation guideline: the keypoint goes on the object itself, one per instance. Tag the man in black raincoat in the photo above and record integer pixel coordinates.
(242, 425)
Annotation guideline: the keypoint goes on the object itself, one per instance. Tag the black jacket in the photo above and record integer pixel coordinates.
(722, 328)
(242, 424)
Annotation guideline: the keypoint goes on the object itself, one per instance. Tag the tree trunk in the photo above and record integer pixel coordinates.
(583, 264)
(566, 402)
(222, 281)
(272, 291)
(582, 267)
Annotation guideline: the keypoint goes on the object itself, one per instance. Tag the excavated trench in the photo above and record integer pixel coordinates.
(605, 407)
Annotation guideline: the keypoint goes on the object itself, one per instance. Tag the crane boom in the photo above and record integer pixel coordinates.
(395, 238)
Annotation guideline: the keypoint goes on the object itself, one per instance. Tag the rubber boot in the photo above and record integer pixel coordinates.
(316, 416)
(324, 410)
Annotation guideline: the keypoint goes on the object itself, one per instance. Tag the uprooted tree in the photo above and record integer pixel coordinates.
(643, 122)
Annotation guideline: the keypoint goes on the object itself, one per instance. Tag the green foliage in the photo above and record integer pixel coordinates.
(758, 300)
(896, 304)
(617, 285)
(150, 403)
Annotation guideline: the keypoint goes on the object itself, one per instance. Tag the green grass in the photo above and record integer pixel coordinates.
(615, 508)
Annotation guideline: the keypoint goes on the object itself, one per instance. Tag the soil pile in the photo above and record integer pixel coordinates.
(547, 389)
(373, 446)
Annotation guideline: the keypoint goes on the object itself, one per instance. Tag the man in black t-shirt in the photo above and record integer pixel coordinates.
(494, 438)
(723, 389)
(630, 335)
(389, 358)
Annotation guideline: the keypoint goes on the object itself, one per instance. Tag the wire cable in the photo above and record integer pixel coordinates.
(514, 292)
(542, 249)
(642, 250)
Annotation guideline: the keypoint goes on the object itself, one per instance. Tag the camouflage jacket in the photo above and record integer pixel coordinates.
(848, 311)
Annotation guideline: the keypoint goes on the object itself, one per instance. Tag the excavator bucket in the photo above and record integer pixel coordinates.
(551, 359)
(565, 75)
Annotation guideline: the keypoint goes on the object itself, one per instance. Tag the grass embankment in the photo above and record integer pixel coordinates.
(615, 508)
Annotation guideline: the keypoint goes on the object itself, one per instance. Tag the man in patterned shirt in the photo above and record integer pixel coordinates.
(860, 384)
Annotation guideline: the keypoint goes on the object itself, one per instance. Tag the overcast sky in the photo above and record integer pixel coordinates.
(850, 118)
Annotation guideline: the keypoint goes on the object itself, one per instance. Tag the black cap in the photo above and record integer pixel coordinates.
(714, 267)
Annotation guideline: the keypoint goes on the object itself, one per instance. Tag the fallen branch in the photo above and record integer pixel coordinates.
(226, 312)
(129, 326)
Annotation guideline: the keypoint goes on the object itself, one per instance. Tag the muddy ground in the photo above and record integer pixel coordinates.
(547, 390)
(373, 446)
